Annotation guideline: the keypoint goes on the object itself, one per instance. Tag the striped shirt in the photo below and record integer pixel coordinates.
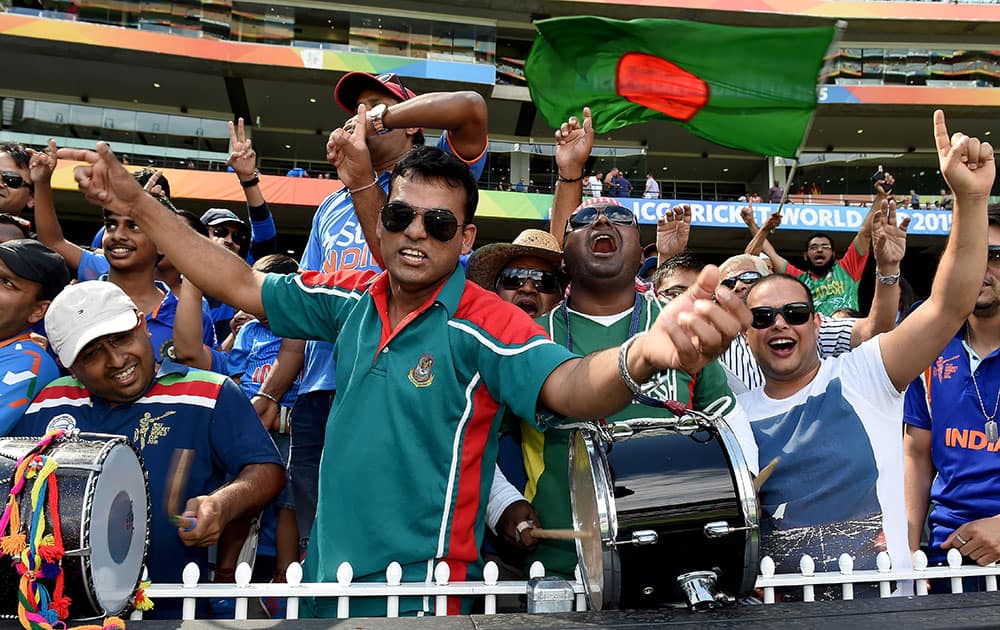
(182, 409)
(743, 372)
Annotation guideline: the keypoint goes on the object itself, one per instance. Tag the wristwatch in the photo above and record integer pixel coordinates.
(886, 280)
(375, 115)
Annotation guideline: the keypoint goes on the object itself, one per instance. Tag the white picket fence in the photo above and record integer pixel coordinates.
(344, 589)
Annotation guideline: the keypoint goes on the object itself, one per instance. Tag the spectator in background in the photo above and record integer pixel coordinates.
(298, 171)
(31, 275)
(520, 186)
(775, 193)
(652, 188)
(502, 185)
(525, 273)
(674, 276)
(914, 200)
(17, 192)
(251, 242)
(595, 185)
(946, 199)
(620, 187)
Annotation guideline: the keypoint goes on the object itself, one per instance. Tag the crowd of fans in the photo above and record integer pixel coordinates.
(185, 332)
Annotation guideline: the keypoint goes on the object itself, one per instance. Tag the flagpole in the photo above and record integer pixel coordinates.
(840, 26)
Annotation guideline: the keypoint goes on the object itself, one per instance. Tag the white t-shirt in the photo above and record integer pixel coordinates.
(839, 484)
(595, 186)
(652, 189)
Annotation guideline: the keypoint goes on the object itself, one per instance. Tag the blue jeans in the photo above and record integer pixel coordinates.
(309, 416)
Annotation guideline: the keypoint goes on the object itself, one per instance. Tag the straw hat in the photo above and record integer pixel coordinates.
(488, 261)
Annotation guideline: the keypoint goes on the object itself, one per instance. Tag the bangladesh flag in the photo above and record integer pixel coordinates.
(742, 87)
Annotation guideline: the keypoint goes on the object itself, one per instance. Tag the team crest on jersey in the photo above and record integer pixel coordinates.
(420, 375)
(167, 350)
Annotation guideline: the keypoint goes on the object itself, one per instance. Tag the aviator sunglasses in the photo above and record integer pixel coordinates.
(795, 314)
(14, 180)
(584, 217)
(747, 277)
(513, 278)
(440, 223)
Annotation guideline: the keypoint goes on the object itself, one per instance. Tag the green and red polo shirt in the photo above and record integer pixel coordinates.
(411, 441)
(837, 289)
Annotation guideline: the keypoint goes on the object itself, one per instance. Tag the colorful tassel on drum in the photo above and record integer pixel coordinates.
(142, 601)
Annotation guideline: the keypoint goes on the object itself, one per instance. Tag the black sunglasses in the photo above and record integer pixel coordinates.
(440, 223)
(618, 215)
(513, 278)
(747, 277)
(795, 314)
(993, 253)
(223, 232)
(14, 180)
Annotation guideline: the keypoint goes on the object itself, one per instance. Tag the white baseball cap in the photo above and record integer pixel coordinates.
(83, 312)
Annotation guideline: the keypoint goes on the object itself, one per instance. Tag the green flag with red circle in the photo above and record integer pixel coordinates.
(748, 88)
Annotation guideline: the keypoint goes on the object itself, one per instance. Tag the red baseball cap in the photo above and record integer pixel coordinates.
(352, 84)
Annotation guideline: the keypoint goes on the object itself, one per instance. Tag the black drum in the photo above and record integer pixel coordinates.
(104, 515)
(667, 512)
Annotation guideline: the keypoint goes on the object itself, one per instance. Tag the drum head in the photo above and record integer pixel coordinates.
(117, 531)
(592, 516)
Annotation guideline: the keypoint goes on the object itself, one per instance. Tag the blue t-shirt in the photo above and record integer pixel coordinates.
(965, 487)
(336, 243)
(26, 367)
(183, 409)
(252, 356)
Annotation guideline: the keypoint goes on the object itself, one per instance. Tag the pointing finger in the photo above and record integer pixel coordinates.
(941, 134)
(361, 130)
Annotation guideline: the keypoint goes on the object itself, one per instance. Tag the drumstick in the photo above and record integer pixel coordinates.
(177, 477)
(765, 474)
(557, 534)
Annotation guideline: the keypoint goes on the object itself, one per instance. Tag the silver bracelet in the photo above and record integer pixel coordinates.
(268, 396)
(623, 364)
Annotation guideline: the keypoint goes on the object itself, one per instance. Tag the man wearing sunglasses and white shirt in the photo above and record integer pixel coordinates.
(18, 191)
(835, 336)
(428, 363)
(835, 424)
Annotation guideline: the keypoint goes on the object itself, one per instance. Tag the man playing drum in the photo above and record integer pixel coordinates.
(837, 423)
(427, 363)
(601, 254)
(117, 388)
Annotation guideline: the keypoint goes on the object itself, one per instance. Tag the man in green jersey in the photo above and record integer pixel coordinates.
(601, 254)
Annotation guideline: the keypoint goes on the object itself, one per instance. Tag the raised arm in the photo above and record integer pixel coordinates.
(47, 227)
(968, 167)
(778, 262)
(574, 140)
(759, 239)
(243, 160)
(890, 246)
(216, 270)
(690, 331)
(189, 346)
(673, 229)
(863, 239)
